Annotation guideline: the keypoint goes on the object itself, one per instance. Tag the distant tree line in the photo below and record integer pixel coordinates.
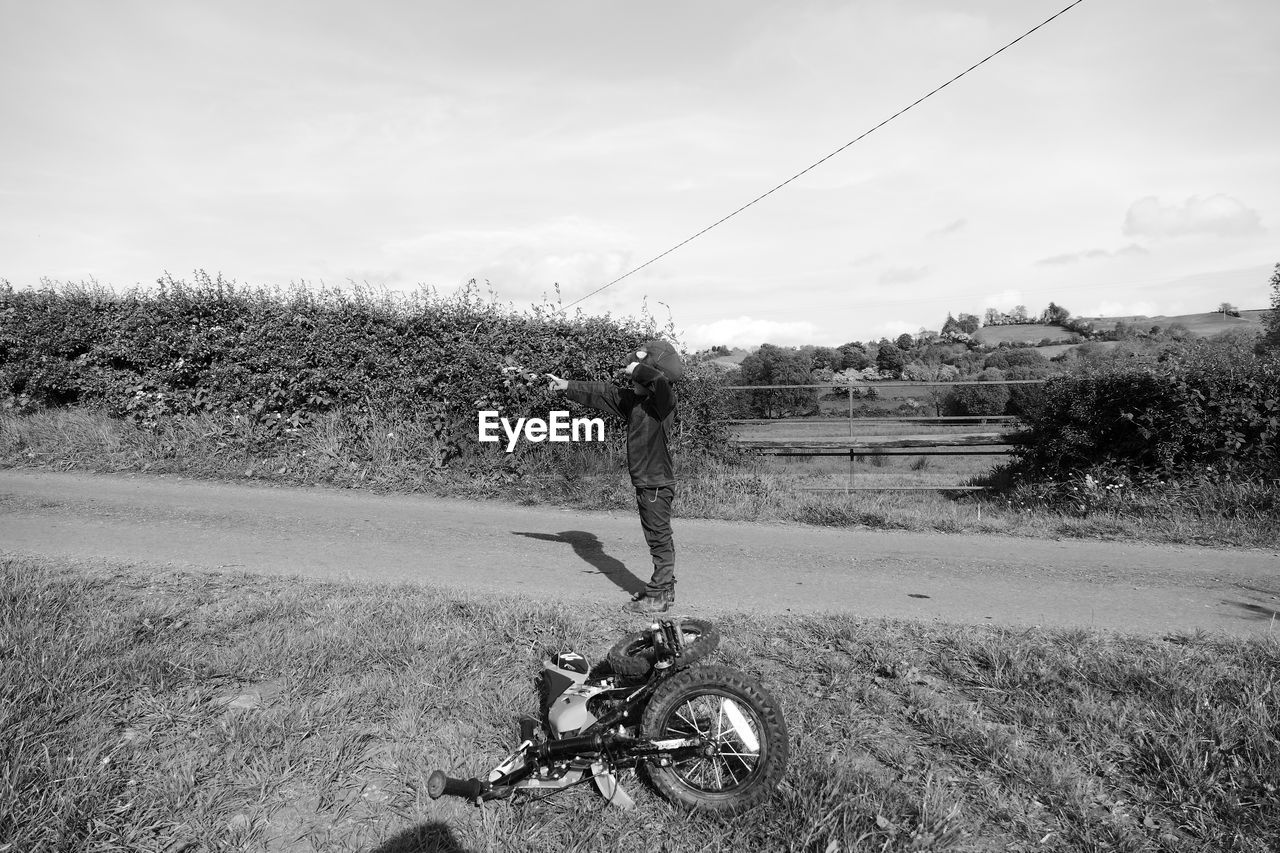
(956, 353)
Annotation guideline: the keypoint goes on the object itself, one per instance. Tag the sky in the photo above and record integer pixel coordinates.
(1124, 159)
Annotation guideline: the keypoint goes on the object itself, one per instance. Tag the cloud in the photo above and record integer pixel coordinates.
(903, 275)
(894, 328)
(951, 228)
(1124, 309)
(520, 264)
(1220, 215)
(1133, 250)
(1003, 300)
(750, 332)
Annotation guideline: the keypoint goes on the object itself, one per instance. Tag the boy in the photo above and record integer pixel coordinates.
(648, 407)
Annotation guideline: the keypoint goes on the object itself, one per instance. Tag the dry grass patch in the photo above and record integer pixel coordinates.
(142, 710)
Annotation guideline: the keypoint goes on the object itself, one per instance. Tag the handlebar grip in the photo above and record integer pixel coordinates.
(440, 785)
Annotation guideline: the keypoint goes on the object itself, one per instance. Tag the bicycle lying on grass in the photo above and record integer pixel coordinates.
(706, 737)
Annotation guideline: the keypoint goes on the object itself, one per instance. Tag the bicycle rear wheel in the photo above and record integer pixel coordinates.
(634, 655)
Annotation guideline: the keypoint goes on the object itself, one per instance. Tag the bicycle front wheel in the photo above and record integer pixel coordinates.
(743, 724)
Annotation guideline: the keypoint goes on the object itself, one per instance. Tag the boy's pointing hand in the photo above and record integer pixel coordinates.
(555, 383)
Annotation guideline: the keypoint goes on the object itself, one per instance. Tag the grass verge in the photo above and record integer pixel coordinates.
(406, 457)
(148, 711)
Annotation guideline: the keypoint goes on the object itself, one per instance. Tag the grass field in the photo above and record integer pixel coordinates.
(1203, 325)
(1026, 333)
(155, 711)
(868, 471)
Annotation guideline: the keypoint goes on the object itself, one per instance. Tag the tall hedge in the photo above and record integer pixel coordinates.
(1204, 404)
(280, 357)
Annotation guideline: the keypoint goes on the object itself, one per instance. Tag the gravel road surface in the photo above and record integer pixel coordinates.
(168, 522)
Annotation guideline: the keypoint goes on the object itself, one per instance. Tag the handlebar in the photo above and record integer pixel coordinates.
(440, 785)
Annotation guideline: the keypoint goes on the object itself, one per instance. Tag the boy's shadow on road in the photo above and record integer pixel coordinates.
(589, 548)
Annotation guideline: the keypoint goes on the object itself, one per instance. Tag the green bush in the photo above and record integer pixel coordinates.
(276, 360)
(988, 398)
(1203, 404)
(1023, 357)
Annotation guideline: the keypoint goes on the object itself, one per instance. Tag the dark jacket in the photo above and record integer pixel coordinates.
(650, 421)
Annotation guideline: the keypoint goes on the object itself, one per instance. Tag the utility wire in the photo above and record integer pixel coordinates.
(810, 168)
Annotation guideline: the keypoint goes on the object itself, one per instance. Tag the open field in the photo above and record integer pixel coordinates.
(1024, 333)
(872, 471)
(145, 710)
(1201, 325)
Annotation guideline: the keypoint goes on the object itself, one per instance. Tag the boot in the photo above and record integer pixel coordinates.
(660, 603)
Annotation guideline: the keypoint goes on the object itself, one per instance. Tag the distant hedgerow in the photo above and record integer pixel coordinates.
(1203, 404)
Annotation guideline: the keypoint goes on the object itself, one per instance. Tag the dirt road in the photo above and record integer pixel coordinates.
(321, 533)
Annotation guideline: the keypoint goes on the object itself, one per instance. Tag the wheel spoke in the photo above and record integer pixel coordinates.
(733, 734)
(727, 769)
(741, 756)
(691, 723)
(681, 727)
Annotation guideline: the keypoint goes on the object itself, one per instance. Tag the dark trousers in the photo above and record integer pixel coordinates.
(655, 517)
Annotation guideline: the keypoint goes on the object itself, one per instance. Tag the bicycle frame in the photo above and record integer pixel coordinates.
(583, 746)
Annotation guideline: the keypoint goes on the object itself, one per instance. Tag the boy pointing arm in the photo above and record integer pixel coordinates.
(648, 407)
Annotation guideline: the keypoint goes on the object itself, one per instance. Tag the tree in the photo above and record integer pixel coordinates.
(905, 342)
(827, 358)
(1226, 309)
(889, 358)
(1021, 357)
(1271, 320)
(853, 356)
(1019, 314)
(987, 398)
(1124, 331)
(1054, 315)
(773, 365)
(968, 323)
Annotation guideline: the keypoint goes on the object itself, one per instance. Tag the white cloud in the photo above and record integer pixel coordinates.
(1220, 215)
(1130, 251)
(520, 264)
(949, 228)
(903, 275)
(1124, 309)
(1005, 300)
(750, 332)
(894, 328)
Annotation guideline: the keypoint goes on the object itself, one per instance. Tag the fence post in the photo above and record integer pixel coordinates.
(851, 411)
(850, 489)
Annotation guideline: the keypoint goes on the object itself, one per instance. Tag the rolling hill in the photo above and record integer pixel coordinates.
(1203, 325)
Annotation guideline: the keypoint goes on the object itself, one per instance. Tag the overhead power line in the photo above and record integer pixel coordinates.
(813, 166)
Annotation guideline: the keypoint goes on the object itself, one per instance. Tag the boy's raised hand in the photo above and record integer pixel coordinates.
(555, 383)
